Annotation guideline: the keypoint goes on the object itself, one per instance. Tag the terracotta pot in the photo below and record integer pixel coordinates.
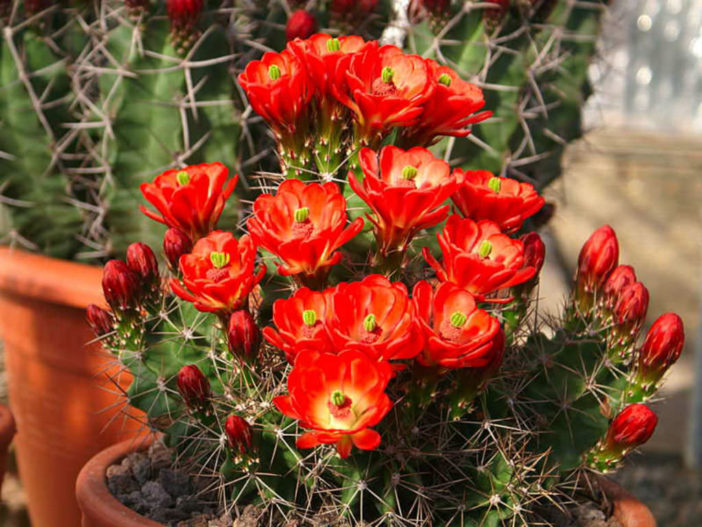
(7, 432)
(98, 506)
(66, 407)
(628, 510)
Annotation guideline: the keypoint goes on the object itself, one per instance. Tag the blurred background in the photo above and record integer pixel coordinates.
(638, 168)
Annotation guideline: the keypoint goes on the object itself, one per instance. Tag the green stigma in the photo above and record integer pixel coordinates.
(301, 214)
(369, 323)
(338, 398)
(458, 319)
(409, 172)
(219, 260)
(495, 184)
(387, 74)
(274, 72)
(445, 79)
(333, 44)
(183, 177)
(309, 317)
(485, 249)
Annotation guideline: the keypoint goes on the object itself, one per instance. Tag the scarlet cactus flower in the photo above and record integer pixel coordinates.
(243, 335)
(598, 257)
(121, 286)
(377, 317)
(303, 225)
(632, 427)
(142, 261)
(661, 349)
(483, 196)
(190, 199)
(278, 89)
(479, 258)
(301, 322)
(175, 244)
(100, 320)
(338, 397)
(405, 190)
(383, 87)
(534, 251)
(219, 274)
(193, 386)
(457, 333)
(301, 24)
(183, 14)
(239, 435)
(450, 109)
(621, 277)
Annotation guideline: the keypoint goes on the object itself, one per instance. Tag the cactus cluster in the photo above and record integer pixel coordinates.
(97, 97)
(327, 374)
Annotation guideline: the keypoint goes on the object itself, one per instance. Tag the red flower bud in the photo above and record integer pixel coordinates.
(100, 320)
(193, 386)
(630, 309)
(238, 432)
(244, 335)
(534, 251)
(632, 427)
(301, 24)
(493, 16)
(183, 14)
(142, 261)
(175, 244)
(621, 277)
(662, 347)
(120, 285)
(597, 259)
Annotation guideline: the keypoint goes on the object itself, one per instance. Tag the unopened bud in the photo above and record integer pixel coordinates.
(175, 244)
(632, 427)
(661, 349)
(534, 251)
(238, 432)
(100, 320)
(597, 259)
(120, 286)
(621, 277)
(301, 24)
(244, 335)
(193, 386)
(142, 261)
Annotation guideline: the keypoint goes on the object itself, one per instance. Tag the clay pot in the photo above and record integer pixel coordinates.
(627, 510)
(7, 432)
(66, 407)
(98, 506)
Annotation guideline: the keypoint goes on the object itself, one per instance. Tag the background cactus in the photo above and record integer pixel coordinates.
(99, 97)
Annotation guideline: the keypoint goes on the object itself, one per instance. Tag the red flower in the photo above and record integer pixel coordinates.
(661, 349)
(278, 89)
(449, 110)
(193, 386)
(303, 224)
(301, 24)
(457, 333)
(405, 190)
(375, 316)
(243, 335)
(301, 322)
(483, 196)
(597, 259)
(632, 427)
(479, 258)
(219, 274)
(190, 199)
(339, 397)
(238, 432)
(383, 87)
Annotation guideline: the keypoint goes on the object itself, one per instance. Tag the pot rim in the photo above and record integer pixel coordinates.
(94, 498)
(49, 279)
(627, 508)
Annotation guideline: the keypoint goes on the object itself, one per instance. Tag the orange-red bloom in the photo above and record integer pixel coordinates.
(406, 191)
(301, 322)
(457, 333)
(303, 225)
(483, 196)
(479, 258)
(375, 316)
(338, 397)
(383, 87)
(190, 199)
(219, 274)
(278, 89)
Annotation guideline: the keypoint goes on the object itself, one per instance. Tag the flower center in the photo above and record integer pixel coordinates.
(182, 177)
(309, 317)
(387, 74)
(458, 319)
(339, 405)
(485, 249)
(333, 44)
(445, 79)
(409, 172)
(220, 259)
(301, 214)
(495, 184)
(274, 72)
(370, 323)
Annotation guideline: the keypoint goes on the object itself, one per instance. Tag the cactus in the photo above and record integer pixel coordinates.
(379, 395)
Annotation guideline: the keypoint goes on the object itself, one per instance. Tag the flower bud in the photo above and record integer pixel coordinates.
(175, 244)
(100, 320)
(621, 277)
(120, 286)
(238, 432)
(184, 15)
(244, 335)
(630, 309)
(662, 347)
(193, 386)
(597, 259)
(301, 24)
(142, 261)
(534, 251)
(632, 427)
